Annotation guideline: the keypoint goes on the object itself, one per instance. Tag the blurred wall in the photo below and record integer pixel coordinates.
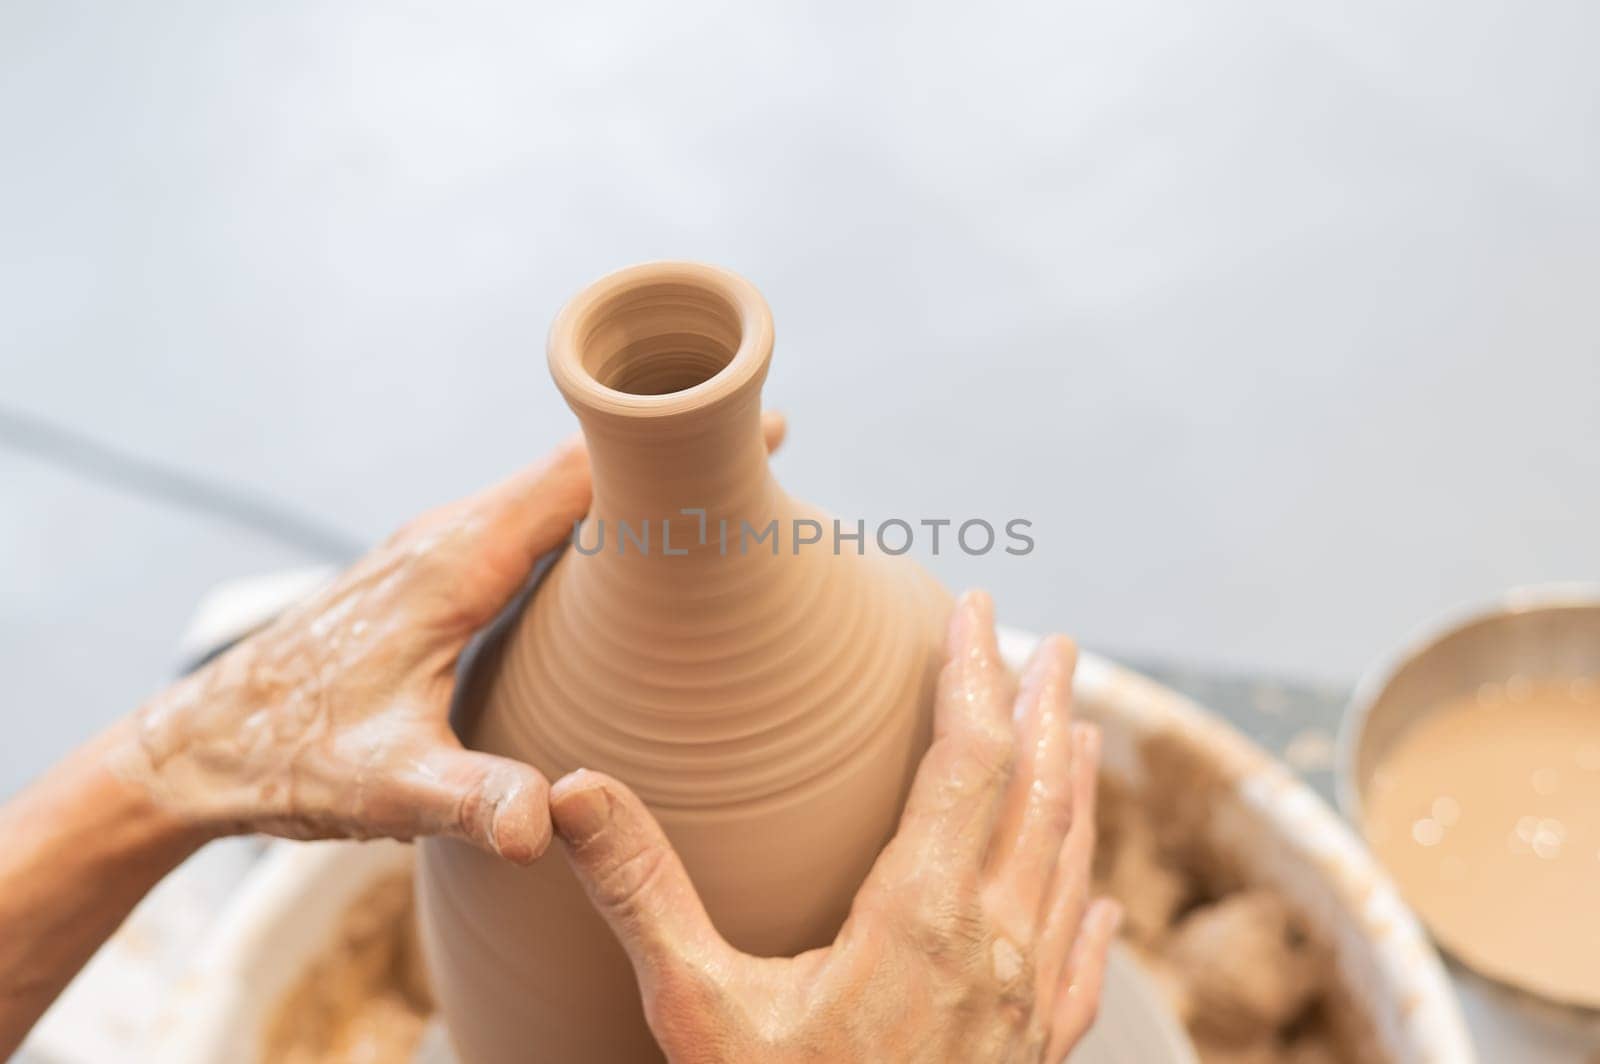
(1280, 321)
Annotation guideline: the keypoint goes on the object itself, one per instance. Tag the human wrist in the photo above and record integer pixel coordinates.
(152, 815)
(83, 845)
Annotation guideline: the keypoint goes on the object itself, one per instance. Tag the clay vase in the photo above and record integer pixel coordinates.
(768, 698)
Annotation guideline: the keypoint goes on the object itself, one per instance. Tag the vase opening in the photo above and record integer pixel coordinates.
(660, 337)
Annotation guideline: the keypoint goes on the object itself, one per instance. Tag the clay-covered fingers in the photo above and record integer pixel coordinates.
(632, 875)
(975, 687)
(1068, 896)
(950, 812)
(1038, 810)
(497, 804)
(531, 513)
(1078, 1000)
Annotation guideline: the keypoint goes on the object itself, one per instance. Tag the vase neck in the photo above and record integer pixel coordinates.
(663, 364)
(646, 475)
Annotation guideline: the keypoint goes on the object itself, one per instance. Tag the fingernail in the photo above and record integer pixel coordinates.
(960, 624)
(982, 606)
(581, 808)
(498, 825)
(1043, 663)
(513, 832)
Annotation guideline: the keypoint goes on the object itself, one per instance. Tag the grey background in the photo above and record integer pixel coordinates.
(1278, 320)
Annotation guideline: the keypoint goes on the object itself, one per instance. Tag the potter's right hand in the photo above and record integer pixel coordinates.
(973, 937)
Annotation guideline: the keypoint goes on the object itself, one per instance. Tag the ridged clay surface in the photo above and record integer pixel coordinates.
(770, 707)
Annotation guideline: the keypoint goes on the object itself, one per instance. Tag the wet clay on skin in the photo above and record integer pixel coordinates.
(1487, 812)
(770, 706)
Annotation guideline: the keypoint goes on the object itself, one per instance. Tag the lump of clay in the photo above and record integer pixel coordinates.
(1150, 890)
(1248, 969)
(1169, 981)
(1311, 1049)
(366, 998)
(1262, 1051)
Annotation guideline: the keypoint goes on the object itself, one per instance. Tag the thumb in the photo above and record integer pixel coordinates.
(495, 803)
(631, 872)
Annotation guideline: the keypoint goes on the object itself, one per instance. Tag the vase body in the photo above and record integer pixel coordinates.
(768, 697)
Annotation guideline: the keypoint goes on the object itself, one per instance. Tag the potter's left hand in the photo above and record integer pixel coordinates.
(973, 937)
(333, 721)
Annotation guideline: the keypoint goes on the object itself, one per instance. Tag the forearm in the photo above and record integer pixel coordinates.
(78, 849)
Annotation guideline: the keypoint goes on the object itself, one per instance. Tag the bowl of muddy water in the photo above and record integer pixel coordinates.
(1471, 764)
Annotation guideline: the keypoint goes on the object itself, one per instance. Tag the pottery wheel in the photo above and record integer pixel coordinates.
(1134, 1026)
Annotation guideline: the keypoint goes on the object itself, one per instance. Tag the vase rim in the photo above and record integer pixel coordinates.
(600, 303)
